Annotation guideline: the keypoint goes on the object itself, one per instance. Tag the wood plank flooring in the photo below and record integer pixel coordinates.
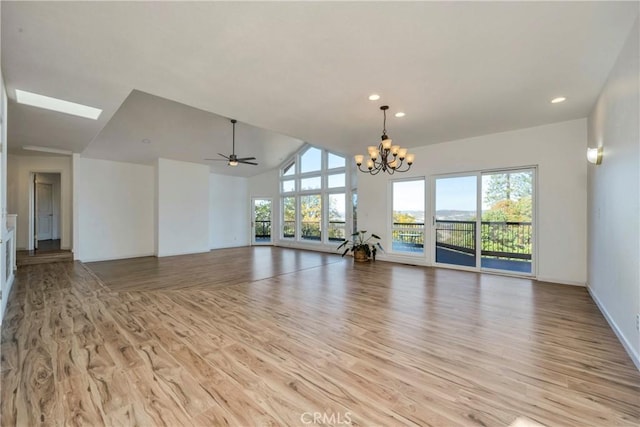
(273, 336)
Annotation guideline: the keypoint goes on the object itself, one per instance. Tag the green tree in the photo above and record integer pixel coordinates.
(508, 186)
(403, 218)
(311, 215)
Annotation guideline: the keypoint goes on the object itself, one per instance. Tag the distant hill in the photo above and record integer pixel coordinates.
(456, 215)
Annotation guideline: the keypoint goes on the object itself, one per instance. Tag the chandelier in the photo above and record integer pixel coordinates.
(385, 157)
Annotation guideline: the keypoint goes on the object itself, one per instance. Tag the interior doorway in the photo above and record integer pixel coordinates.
(45, 215)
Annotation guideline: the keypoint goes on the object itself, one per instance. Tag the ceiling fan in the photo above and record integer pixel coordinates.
(233, 160)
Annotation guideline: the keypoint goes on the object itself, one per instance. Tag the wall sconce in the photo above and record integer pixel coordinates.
(594, 155)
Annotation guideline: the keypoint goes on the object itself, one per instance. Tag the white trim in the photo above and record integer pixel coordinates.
(635, 357)
(119, 257)
(560, 281)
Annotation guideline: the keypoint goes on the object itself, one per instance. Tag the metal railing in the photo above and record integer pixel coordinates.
(509, 239)
(262, 229)
(310, 230)
(289, 229)
(506, 239)
(408, 236)
(456, 235)
(337, 231)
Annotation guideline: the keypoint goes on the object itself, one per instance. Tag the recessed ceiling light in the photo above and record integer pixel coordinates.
(146, 141)
(558, 100)
(374, 97)
(399, 114)
(55, 104)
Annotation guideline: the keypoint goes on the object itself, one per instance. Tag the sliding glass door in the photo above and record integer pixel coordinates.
(507, 220)
(485, 220)
(455, 220)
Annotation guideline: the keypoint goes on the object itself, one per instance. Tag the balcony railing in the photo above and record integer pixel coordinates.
(310, 230)
(408, 237)
(337, 231)
(510, 240)
(262, 229)
(289, 229)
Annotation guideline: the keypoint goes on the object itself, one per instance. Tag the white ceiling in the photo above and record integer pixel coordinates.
(303, 69)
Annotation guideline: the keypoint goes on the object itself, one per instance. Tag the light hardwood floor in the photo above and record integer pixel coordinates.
(271, 336)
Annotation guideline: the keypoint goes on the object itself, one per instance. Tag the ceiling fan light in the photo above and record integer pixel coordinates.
(233, 163)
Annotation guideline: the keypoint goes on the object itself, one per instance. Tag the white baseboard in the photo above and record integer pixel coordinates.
(116, 257)
(635, 357)
(560, 281)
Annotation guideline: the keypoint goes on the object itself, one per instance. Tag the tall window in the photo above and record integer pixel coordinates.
(289, 217)
(407, 227)
(315, 197)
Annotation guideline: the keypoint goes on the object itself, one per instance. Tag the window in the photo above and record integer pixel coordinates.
(335, 161)
(407, 227)
(311, 214)
(289, 217)
(311, 160)
(335, 181)
(288, 186)
(354, 214)
(289, 170)
(315, 197)
(313, 183)
(337, 217)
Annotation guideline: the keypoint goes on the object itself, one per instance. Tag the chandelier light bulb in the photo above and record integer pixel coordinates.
(359, 158)
(402, 153)
(410, 158)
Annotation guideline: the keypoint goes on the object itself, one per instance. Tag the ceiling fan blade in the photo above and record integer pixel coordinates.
(246, 158)
(247, 163)
(223, 156)
(217, 160)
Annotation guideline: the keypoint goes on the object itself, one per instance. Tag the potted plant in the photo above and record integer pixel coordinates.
(362, 247)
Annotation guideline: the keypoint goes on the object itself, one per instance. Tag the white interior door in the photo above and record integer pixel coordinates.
(261, 221)
(44, 205)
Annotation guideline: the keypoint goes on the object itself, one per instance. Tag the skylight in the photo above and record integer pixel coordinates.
(55, 104)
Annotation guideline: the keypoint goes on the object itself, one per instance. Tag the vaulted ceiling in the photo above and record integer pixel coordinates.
(172, 73)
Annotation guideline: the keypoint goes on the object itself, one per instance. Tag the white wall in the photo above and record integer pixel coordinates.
(229, 212)
(182, 207)
(5, 284)
(558, 150)
(19, 193)
(115, 210)
(614, 193)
